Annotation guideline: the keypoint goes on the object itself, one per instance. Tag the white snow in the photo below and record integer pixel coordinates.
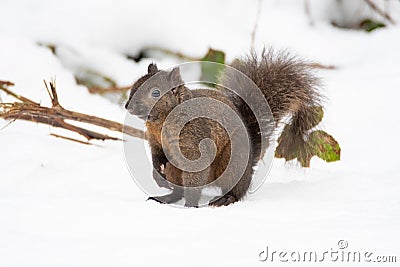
(68, 204)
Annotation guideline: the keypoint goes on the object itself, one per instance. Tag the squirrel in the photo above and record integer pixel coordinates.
(289, 87)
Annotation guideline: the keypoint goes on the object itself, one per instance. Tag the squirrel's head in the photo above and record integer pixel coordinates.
(156, 93)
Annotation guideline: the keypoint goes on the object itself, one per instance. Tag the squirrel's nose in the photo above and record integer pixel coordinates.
(129, 106)
(130, 110)
(136, 109)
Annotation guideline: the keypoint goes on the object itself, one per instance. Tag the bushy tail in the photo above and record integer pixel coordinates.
(289, 87)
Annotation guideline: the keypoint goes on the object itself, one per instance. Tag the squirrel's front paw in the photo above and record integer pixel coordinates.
(155, 199)
(166, 199)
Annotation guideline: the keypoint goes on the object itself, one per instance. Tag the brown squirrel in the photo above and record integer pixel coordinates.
(288, 86)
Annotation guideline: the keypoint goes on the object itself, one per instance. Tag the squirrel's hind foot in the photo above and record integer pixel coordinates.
(223, 201)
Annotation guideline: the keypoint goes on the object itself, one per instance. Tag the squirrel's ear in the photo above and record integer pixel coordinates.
(152, 68)
(175, 76)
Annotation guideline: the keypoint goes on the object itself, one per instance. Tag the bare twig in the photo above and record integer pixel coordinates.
(112, 89)
(5, 126)
(4, 84)
(321, 66)
(308, 11)
(52, 93)
(56, 115)
(70, 139)
(378, 10)
(253, 33)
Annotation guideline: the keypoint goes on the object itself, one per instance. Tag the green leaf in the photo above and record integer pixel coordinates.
(325, 146)
(292, 146)
(214, 56)
(209, 72)
(370, 25)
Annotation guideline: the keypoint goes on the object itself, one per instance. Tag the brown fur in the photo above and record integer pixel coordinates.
(289, 88)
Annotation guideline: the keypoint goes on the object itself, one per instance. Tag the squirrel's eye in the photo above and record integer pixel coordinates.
(155, 93)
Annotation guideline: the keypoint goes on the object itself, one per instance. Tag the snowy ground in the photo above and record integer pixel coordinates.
(68, 204)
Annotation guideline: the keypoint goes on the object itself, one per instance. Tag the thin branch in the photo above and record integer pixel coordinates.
(308, 11)
(6, 83)
(253, 33)
(52, 93)
(3, 85)
(48, 90)
(112, 89)
(8, 123)
(378, 10)
(321, 66)
(70, 139)
(56, 115)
